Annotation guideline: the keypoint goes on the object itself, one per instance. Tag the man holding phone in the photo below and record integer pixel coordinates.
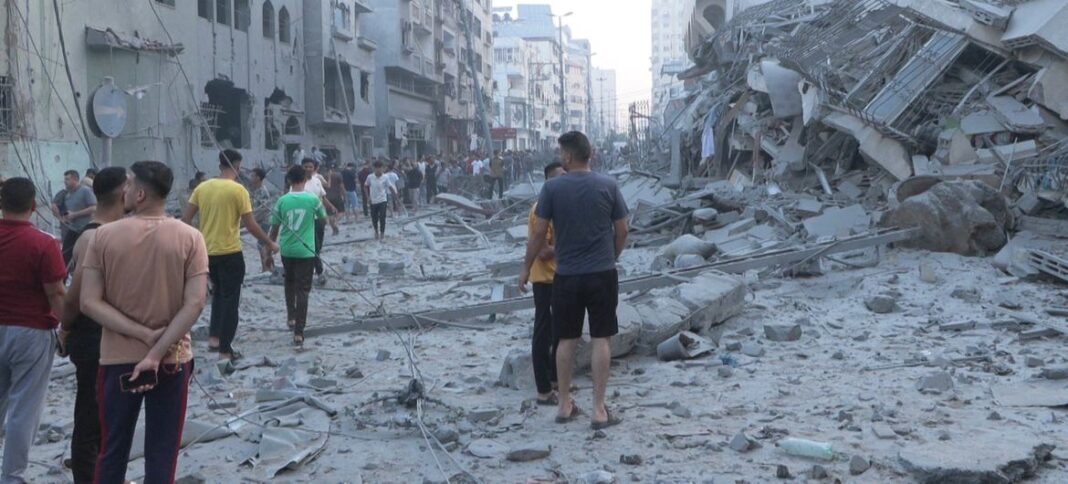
(145, 283)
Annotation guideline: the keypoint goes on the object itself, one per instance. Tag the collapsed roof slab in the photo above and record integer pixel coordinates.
(1050, 89)
(886, 152)
(1040, 23)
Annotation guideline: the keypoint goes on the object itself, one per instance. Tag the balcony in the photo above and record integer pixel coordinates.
(361, 6)
(366, 43)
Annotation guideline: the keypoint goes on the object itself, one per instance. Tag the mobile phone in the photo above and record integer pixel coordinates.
(145, 378)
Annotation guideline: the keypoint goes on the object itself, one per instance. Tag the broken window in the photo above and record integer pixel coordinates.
(204, 9)
(333, 96)
(7, 107)
(293, 126)
(233, 129)
(342, 17)
(272, 135)
(222, 11)
(242, 15)
(283, 25)
(365, 86)
(268, 20)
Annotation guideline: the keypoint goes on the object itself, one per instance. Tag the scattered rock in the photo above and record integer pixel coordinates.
(1033, 362)
(995, 416)
(517, 371)
(680, 410)
(970, 295)
(883, 431)
(446, 434)
(382, 355)
(630, 459)
(965, 217)
(782, 472)
(725, 371)
(988, 457)
(486, 449)
(529, 452)
(686, 261)
(838, 355)
(937, 382)
(819, 472)
(742, 443)
(881, 304)
(354, 373)
(1054, 373)
(752, 349)
(483, 414)
(194, 478)
(596, 477)
(734, 346)
(782, 332)
(391, 268)
(858, 465)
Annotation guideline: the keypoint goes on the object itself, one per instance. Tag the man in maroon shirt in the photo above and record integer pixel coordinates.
(31, 295)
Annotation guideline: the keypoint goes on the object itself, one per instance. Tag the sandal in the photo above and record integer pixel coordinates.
(611, 422)
(234, 356)
(575, 413)
(298, 341)
(551, 401)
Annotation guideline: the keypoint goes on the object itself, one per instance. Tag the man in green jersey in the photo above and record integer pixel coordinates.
(294, 217)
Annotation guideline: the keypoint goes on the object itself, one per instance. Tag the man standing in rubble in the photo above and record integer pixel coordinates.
(31, 303)
(223, 204)
(589, 218)
(543, 342)
(145, 283)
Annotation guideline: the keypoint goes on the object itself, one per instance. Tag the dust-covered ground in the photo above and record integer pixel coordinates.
(851, 380)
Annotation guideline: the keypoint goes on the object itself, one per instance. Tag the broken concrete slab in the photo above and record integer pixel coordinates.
(1016, 115)
(1007, 153)
(684, 346)
(486, 449)
(517, 371)
(838, 222)
(661, 319)
(622, 344)
(965, 217)
(517, 233)
(981, 123)
(783, 89)
(1031, 393)
(463, 203)
(782, 332)
(880, 149)
(742, 443)
(711, 298)
(987, 457)
(937, 382)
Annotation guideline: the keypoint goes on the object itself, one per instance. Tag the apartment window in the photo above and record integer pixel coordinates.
(204, 9)
(222, 11)
(342, 16)
(365, 86)
(7, 107)
(242, 15)
(283, 25)
(333, 95)
(268, 20)
(166, 2)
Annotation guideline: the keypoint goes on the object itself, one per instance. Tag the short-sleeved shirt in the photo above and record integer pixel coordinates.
(79, 199)
(221, 202)
(542, 271)
(29, 259)
(314, 186)
(348, 177)
(583, 208)
(295, 215)
(146, 263)
(379, 187)
(497, 167)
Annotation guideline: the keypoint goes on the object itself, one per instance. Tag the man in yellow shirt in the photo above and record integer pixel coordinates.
(223, 204)
(543, 344)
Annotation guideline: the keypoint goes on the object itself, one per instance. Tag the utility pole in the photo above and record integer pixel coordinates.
(563, 98)
(477, 86)
(604, 131)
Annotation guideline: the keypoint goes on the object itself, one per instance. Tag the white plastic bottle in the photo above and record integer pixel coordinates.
(807, 448)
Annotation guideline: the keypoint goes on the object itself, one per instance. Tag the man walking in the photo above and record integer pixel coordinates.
(294, 218)
(316, 185)
(379, 187)
(496, 167)
(431, 181)
(74, 206)
(362, 179)
(79, 336)
(589, 218)
(261, 210)
(223, 204)
(145, 282)
(352, 199)
(543, 344)
(414, 185)
(31, 301)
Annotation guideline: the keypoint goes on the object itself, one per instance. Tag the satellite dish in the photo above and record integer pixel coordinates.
(106, 110)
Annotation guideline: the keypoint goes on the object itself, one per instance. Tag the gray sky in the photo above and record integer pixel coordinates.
(620, 33)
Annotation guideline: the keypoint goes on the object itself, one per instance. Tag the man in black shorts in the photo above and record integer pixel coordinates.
(589, 218)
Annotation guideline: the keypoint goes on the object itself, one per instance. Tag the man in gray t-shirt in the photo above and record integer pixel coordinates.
(74, 206)
(589, 218)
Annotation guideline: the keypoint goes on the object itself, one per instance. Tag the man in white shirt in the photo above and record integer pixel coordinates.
(380, 186)
(314, 185)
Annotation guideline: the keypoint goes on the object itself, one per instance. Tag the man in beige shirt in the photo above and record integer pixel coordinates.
(145, 283)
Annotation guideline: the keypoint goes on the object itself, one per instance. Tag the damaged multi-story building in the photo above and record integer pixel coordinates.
(795, 91)
(272, 78)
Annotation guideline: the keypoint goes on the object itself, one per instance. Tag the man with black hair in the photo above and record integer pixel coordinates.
(543, 342)
(223, 204)
(74, 206)
(589, 218)
(379, 187)
(262, 202)
(316, 185)
(90, 174)
(145, 283)
(352, 198)
(294, 217)
(31, 302)
(79, 336)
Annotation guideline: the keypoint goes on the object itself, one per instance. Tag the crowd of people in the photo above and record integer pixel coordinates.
(139, 279)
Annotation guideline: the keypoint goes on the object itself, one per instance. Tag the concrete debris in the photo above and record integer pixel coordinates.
(881, 304)
(753, 350)
(530, 452)
(683, 346)
(995, 457)
(742, 443)
(968, 218)
(1031, 393)
(937, 382)
(630, 459)
(782, 332)
(858, 465)
(517, 371)
(486, 449)
(596, 477)
(782, 472)
(818, 472)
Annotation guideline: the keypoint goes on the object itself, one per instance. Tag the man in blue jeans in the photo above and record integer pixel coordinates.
(31, 296)
(589, 218)
(144, 281)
